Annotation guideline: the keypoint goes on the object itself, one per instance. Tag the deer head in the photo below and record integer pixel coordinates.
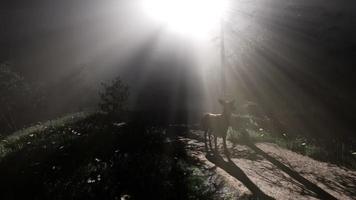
(228, 106)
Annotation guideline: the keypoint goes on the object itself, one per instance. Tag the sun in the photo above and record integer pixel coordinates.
(195, 18)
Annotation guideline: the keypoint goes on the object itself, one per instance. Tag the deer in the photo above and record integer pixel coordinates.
(217, 125)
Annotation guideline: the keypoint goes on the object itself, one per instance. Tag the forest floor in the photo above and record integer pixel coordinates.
(267, 171)
(91, 156)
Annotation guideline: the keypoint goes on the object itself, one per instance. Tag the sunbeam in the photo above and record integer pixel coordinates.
(140, 99)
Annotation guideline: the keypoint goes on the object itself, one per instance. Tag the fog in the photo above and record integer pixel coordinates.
(294, 54)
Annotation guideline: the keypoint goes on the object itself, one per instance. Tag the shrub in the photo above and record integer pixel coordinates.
(114, 96)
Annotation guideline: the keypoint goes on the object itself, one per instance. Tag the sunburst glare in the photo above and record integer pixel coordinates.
(192, 18)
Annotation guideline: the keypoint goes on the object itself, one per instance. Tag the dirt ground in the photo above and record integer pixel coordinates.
(267, 171)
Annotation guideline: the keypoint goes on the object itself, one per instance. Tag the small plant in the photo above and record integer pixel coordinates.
(114, 96)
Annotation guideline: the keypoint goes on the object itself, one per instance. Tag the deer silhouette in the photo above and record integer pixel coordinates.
(217, 125)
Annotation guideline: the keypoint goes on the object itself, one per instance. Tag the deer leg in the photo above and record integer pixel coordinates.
(225, 147)
(205, 142)
(216, 143)
(211, 146)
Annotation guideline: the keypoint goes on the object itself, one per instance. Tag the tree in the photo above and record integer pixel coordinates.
(114, 97)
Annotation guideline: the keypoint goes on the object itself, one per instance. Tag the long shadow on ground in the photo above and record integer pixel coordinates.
(320, 193)
(231, 168)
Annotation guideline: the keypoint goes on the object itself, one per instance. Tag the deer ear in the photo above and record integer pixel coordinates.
(222, 102)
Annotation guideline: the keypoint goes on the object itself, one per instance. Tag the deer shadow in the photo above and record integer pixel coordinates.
(319, 192)
(231, 168)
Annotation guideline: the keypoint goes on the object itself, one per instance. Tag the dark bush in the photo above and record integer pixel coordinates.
(114, 96)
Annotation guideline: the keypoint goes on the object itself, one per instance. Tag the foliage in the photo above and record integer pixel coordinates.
(114, 96)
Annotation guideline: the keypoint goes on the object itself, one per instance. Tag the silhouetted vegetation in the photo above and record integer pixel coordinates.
(114, 97)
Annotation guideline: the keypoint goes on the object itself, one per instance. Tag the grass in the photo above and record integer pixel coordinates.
(91, 156)
(20, 138)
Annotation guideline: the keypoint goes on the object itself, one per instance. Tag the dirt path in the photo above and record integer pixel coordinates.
(267, 171)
